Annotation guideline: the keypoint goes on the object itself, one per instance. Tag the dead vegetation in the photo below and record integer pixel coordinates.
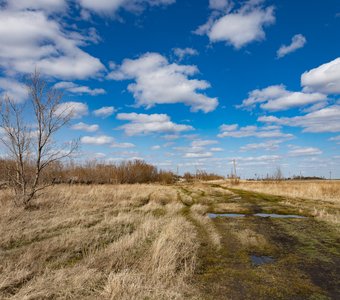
(325, 190)
(154, 241)
(319, 198)
(109, 242)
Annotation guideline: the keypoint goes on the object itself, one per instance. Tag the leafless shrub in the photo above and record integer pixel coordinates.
(201, 175)
(30, 147)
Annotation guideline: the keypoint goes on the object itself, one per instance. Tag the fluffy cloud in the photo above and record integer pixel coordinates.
(156, 147)
(13, 89)
(238, 27)
(268, 145)
(147, 124)
(228, 127)
(31, 39)
(307, 151)
(323, 79)
(197, 155)
(101, 140)
(202, 143)
(122, 145)
(323, 120)
(216, 149)
(104, 111)
(106, 7)
(181, 53)
(159, 82)
(278, 98)
(46, 5)
(76, 109)
(85, 127)
(264, 158)
(78, 89)
(196, 146)
(97, 155)
(219, 4)
(252, 131)
(96, 140)
(298, 41)
(197, 149)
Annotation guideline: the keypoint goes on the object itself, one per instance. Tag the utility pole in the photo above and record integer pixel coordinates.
(234, 163)
(196, 172)
(330, 175)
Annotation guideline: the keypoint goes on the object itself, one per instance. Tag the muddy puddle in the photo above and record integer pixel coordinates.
(261, 260)
(261, 215)
(279, 216)
(213, 216)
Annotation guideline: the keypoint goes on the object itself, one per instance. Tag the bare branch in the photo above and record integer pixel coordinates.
(30, 151)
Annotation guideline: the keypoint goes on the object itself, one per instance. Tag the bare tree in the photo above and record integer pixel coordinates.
(278, 175)
(31, 146)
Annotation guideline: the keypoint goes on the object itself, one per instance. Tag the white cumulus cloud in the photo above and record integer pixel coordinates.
(147, 124)
(219, 4)
(216, 149)
(122, 145)
(238, 27)
(235, 131)
(32, 39)
(106, 7)
(45, 5)
(202, 143)
(13, 89)
(104, 111)
(198, 154)
(305, 151)
(78, 89)
(96, 140)
(278, 98)
(323, 120)
(298, 41)
(156, 147)
(76, 109)
(181, 53)
(159, 82)
(323, 79)
(267, 145)
(85, 127)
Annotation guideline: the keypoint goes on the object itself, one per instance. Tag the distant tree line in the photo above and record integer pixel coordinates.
(95, 172)
(201, 175)
(92, 172)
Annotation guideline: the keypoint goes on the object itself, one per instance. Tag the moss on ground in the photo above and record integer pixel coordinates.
(306, 252)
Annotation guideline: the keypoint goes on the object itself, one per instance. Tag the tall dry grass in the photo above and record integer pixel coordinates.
(321, 198)
(97, 242)
(324, 190)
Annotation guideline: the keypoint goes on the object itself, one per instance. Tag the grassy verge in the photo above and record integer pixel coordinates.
(90, 242)
(157, 242)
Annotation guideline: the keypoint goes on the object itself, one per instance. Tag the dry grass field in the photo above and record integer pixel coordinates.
(88, 242)
(321, 198)
(323, 190)
(157, 242)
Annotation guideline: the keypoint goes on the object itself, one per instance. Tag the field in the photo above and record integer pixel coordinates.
(157, 242)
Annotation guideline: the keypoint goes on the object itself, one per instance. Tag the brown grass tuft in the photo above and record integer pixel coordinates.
(90, 242)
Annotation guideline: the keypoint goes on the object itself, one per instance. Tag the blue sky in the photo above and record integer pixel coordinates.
(187, 84)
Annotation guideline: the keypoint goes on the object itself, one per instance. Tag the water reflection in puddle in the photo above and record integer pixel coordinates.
(279, 216)
(261, 215)
(261, 260)
(213, 216)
